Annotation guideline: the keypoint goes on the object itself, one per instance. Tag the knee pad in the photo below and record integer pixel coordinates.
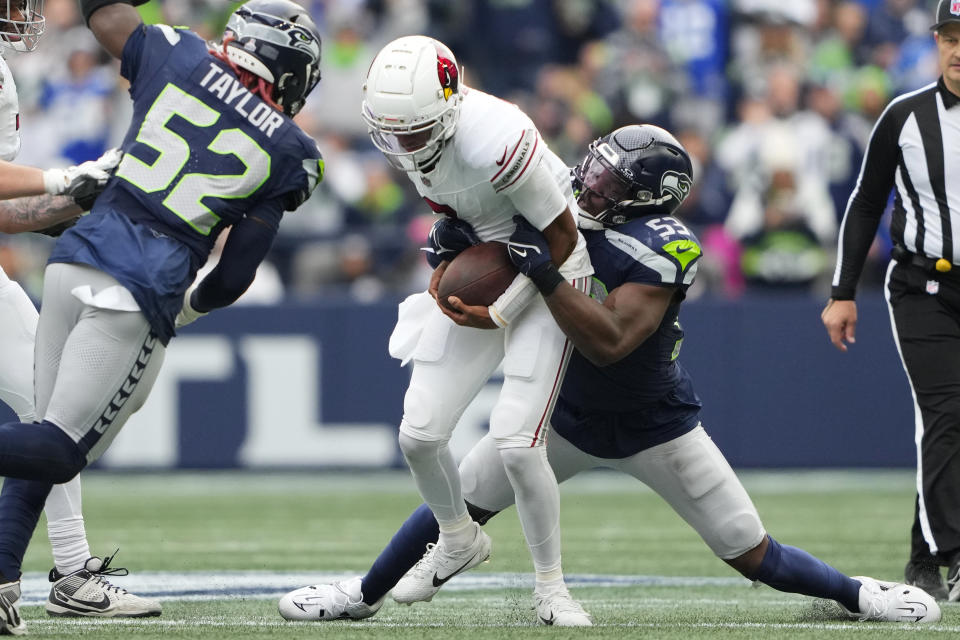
(513, 422)
(517, 459)
(417, 406)
(416, 449)
(427, 415)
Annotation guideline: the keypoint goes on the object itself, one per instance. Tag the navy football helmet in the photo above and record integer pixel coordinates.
(277, 41)
(638, 170)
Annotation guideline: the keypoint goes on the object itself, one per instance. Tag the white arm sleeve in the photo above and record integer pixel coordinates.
(511, 302)
(539, 199)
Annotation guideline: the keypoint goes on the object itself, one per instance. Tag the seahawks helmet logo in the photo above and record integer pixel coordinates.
(676, 184)
(303, 40)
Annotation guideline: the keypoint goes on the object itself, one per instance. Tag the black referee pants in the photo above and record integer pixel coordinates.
(925, 312)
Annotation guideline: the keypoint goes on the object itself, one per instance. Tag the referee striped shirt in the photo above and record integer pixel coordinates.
(915, 151)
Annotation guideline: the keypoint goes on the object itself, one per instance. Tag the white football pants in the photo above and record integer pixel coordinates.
(18, 326)
(689, 472)
(451, 365)
(97, 357)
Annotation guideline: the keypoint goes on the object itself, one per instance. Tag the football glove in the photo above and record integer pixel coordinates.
(84, 179)
(448, 237)
(530, 254)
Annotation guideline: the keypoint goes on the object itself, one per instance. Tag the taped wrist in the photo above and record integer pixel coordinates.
(513, 301)
(547, 278)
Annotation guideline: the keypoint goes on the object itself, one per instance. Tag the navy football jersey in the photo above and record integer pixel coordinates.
(201, 153)
(646, 398)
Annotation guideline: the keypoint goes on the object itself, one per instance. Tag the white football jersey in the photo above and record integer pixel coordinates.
(491, 154)
(9, 114)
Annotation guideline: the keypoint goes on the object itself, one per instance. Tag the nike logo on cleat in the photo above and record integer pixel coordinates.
(82, 605)
(439, 582)
(548, 621)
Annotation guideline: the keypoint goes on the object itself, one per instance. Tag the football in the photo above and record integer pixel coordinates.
(478, 275)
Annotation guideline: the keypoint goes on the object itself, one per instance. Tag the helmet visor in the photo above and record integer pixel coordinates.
(602, 188)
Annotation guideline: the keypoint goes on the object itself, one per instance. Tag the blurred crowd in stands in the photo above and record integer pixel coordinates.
(774, 100)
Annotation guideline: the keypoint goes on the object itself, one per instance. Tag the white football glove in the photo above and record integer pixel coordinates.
(83, 179)
(187, 313)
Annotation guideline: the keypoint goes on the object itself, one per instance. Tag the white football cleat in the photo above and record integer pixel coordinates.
(555, 607)
(337, 601)
(438, 565)
(11, 624)
(894, 602)
(87, 593)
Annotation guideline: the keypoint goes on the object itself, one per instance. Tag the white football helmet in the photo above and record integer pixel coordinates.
(21, 24)
(411, 101)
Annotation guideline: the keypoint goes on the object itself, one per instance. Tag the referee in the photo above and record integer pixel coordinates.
(914, 150)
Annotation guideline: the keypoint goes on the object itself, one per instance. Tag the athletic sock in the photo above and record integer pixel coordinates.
(65, 527)
(549, 581)
(459, 534)
(68, 541)
(404, 549)
(793, 570)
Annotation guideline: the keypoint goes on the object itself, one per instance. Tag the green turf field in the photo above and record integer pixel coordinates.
(219, 549)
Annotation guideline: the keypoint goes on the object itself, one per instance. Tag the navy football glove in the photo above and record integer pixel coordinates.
(448, 237)
(530, 254)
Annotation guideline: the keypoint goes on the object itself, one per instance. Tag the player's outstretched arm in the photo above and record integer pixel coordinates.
(111, 21)
(561, 235)
(36, 213)
(247, 245)
(603, 333)
(608, 332)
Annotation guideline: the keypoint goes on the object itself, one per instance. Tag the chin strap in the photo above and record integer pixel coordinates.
(250, 80)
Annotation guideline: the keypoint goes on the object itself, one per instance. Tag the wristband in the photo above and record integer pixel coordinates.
(547, 279)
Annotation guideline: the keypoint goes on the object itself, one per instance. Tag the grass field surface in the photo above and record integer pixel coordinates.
(220, 548)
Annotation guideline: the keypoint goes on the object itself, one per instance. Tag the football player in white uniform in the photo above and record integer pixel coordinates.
(478, 159)
(626, 402)
(78, 577)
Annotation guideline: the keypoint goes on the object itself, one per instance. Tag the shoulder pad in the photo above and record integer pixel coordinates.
(491, 134)
(662, 244)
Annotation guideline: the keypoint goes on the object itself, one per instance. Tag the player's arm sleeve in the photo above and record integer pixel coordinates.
(866, 205)
(538, 199)
(247, 245)
(312, 176)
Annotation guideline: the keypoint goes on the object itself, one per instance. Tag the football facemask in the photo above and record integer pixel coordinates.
(21, 24)
(637, 170)
(411, 101)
